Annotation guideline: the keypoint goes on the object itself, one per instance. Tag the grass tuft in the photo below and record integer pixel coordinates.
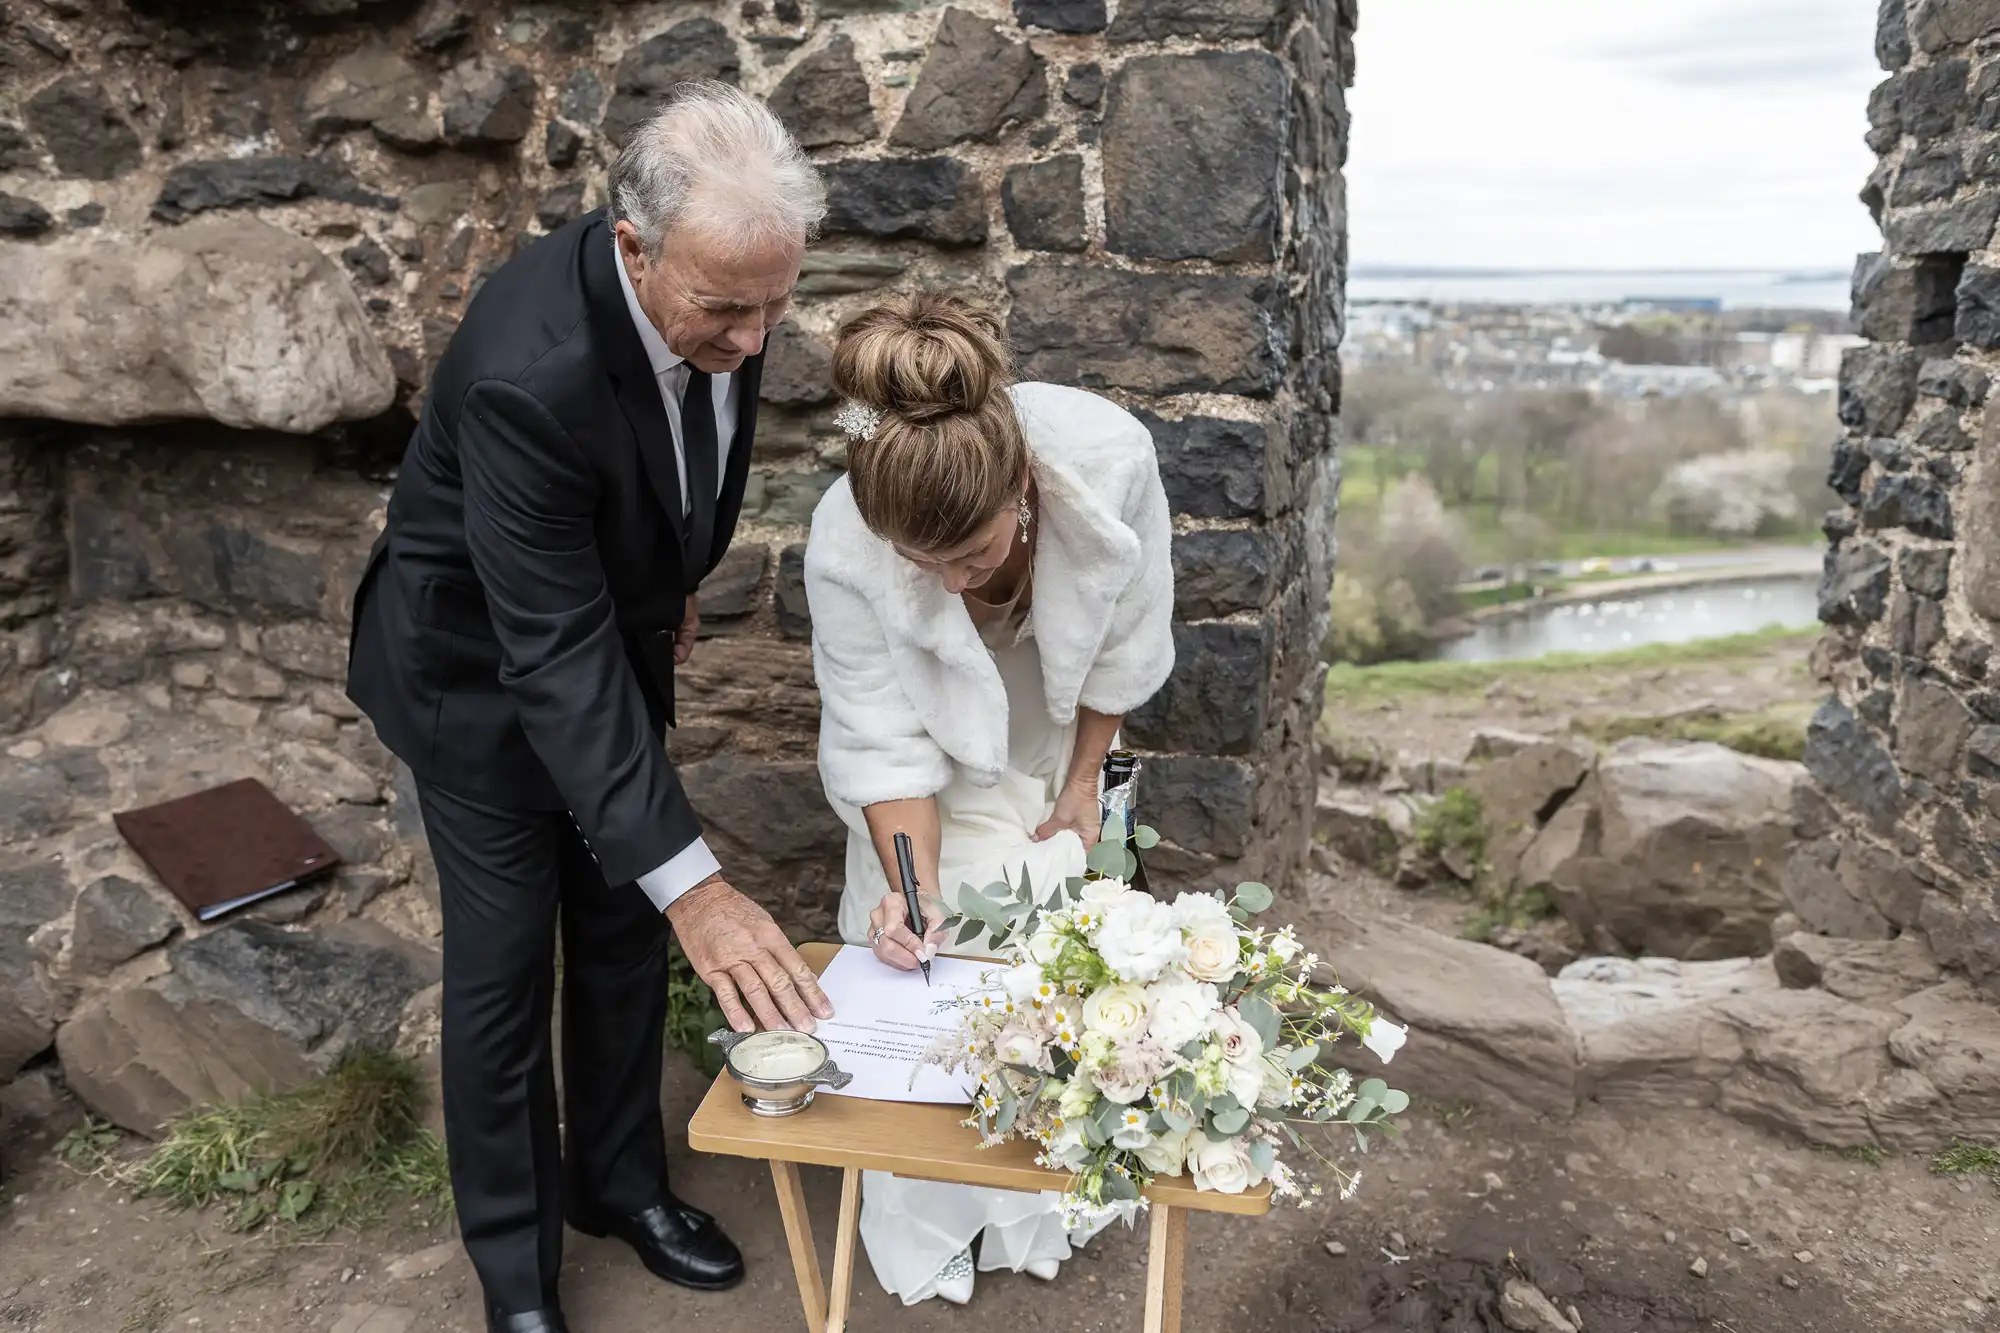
(1867, 1154)
(1968, 1159)
(337, 1151)
(692, 1013)
(1775, 733)
(1453, 824)
(1517, 908)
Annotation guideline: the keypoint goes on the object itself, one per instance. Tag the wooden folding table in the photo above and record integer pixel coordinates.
(922, 1142)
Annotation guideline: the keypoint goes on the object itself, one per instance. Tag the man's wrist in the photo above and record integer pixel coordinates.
(702, 891)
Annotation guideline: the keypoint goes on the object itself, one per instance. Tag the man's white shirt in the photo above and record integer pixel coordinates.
(694, 863)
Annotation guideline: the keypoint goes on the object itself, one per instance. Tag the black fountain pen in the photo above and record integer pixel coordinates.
(906, 866)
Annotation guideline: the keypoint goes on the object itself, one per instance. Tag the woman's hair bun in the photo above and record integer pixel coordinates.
(922, 357)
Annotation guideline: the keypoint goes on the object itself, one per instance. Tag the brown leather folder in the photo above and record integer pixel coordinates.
(226, 847)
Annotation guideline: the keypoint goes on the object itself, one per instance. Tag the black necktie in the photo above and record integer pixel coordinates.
(698, 447)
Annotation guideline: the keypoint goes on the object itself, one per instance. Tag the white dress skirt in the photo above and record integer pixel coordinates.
(912, 1228)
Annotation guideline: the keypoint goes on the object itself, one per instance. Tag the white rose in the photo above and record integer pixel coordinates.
(1212, 955)
(1223, 1167)
(1045, 946)
(1240, 1043)
(1165, 1155)
(1117, 1011)
(1385, 1038)
(1020, 1044)
(1139, 939)
(1099, 894)
(1202, 912)
(1246, 1081)
(1182, 1011)
(1022, 982)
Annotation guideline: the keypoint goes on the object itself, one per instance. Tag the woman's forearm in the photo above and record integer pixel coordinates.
(917, 817)
(1094, 734)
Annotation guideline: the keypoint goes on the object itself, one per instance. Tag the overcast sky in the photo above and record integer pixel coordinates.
(1612, 133)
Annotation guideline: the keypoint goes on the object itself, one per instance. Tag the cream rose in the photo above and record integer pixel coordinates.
(1223, 1167)
(1165, 1155)
(1181, 1011)
(1045, 946)
(1100, 895)
(1078, 1096)
(1019, 1044)
(1240, 1043)
(1130, 1072)
(1211, 955)
(1119, 1011)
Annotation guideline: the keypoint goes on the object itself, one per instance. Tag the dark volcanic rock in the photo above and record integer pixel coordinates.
(1200, 803)
(116, 920)
(82, 129)
(1194, 148)
(691, 50)
(1150, 333)
(22, 217)
(561, 145)
(824, 100)
(1210, 20)
(368, 262)
(1855, 586)
(1222, 571)
(1085, 85)
(559, 204)
(778, 810)
(730, 590)
(1979, 307)
(32, 890)
(442, 23)
(975, 82)
(797, 368)
(936, 199)
(1909, 500)
(789, 593)
(1878, 385)
(1212, 467)
(1043, 202)
(1956, 228)
(1925, 569)
(487, 104)
(17, 150)
(1215, 700)
(1914, 303)
(1061, 15)
(582, 96)
(253, 182)
(1849, 762)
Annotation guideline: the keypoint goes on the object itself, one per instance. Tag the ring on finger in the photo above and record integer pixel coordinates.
(875, 935)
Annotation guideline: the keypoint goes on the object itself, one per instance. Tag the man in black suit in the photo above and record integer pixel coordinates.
(578, 469)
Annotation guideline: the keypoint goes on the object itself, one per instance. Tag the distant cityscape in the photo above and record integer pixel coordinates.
(1616, 334)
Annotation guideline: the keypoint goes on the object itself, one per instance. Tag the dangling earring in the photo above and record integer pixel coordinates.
(1026, 515)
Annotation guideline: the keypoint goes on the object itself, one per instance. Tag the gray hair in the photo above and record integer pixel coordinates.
(718, 146)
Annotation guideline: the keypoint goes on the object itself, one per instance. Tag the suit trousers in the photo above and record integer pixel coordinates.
(506, 880)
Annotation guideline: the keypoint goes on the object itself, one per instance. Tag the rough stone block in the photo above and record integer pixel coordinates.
(228, 319)
(1932, 99)
(370, 87)
(798, 368)
(1943, 25)
(1878, 385)
(1648, 1030)
(1957, 228)
(487, 104)
(1200, 803)
(1076, 16)
(975, 82)
(1931, 729)
(1915, 303)
(935, 199)
(1911, 500)
(1221, 571)
(776, 809)
(1043, 202)
(1854, 588)
(1194, 149)
(1978, 318)
(1208, 20)
(1212, 467)
(1215, 702)
(1846, 759)
(82, 129)
(32, 891)
(1872, 972)
(1148, 332)
(789, 593)
(824, 99)
(694, 49)
(730, 590)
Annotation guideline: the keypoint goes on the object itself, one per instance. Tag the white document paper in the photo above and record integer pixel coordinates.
(885, 1020)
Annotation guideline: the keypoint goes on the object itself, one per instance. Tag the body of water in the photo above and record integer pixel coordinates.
(1735, 289)
(1671, 615)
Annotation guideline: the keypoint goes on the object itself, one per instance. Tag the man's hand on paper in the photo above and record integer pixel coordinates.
(889, 930)
(759, 980)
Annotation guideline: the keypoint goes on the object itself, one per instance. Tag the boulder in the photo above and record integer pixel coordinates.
(1647, 1029)
(116, 920)
(1877, 972)
(1681, 853)
(1951, 1042)
(227, 318)
(1353, 826)
(1498, 743)
(33, 891)
(247, 1008)
(1521, 792)
(1810, 1060)
(975, 82)
(1484, 1024)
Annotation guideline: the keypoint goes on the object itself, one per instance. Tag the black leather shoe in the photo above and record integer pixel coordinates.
(534, 1321)
(675, 1242)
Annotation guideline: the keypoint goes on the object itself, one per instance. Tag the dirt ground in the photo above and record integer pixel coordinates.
(1608, 1212)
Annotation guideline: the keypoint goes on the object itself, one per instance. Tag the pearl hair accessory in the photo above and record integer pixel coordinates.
(858, 420)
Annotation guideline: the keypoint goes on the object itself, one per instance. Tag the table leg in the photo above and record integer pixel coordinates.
(798, 1235)
(1166, 1255)
(843, 1250)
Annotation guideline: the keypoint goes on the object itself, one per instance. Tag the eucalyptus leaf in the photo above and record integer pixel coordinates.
(1262, 1017)
(1073, 887)
(1226, 1102)
(1263, 1156)
(1145, 838)
(1293, 1135)
(1359, 1109)
(1130, 865)
(1118, 1189)
(1253, 897)
(1232, 1121)
(1107, 858)
(1192, 1051)
(1004, 1119)
(1395, 1101)
(1372, 1089)
(1302, 1057)
(1360, 1141)
(1175, 1121)
(970, 931)
(1093, 1136)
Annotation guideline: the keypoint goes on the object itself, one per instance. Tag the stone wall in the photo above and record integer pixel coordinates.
(1907, 754)
(269, 217)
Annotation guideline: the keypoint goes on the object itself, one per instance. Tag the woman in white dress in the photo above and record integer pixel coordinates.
(991, 593)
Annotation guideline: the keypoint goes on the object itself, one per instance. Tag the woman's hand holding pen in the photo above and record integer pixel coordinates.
(889, 930)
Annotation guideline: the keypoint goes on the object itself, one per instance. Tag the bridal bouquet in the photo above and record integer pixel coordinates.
(1132, 1038)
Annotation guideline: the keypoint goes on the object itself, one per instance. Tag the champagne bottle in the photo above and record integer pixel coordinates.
(1117, 797)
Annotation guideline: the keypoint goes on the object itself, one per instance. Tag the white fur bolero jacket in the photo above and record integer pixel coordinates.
(907, 687)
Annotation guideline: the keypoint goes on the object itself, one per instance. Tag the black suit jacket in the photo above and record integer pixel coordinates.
(513, 632)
